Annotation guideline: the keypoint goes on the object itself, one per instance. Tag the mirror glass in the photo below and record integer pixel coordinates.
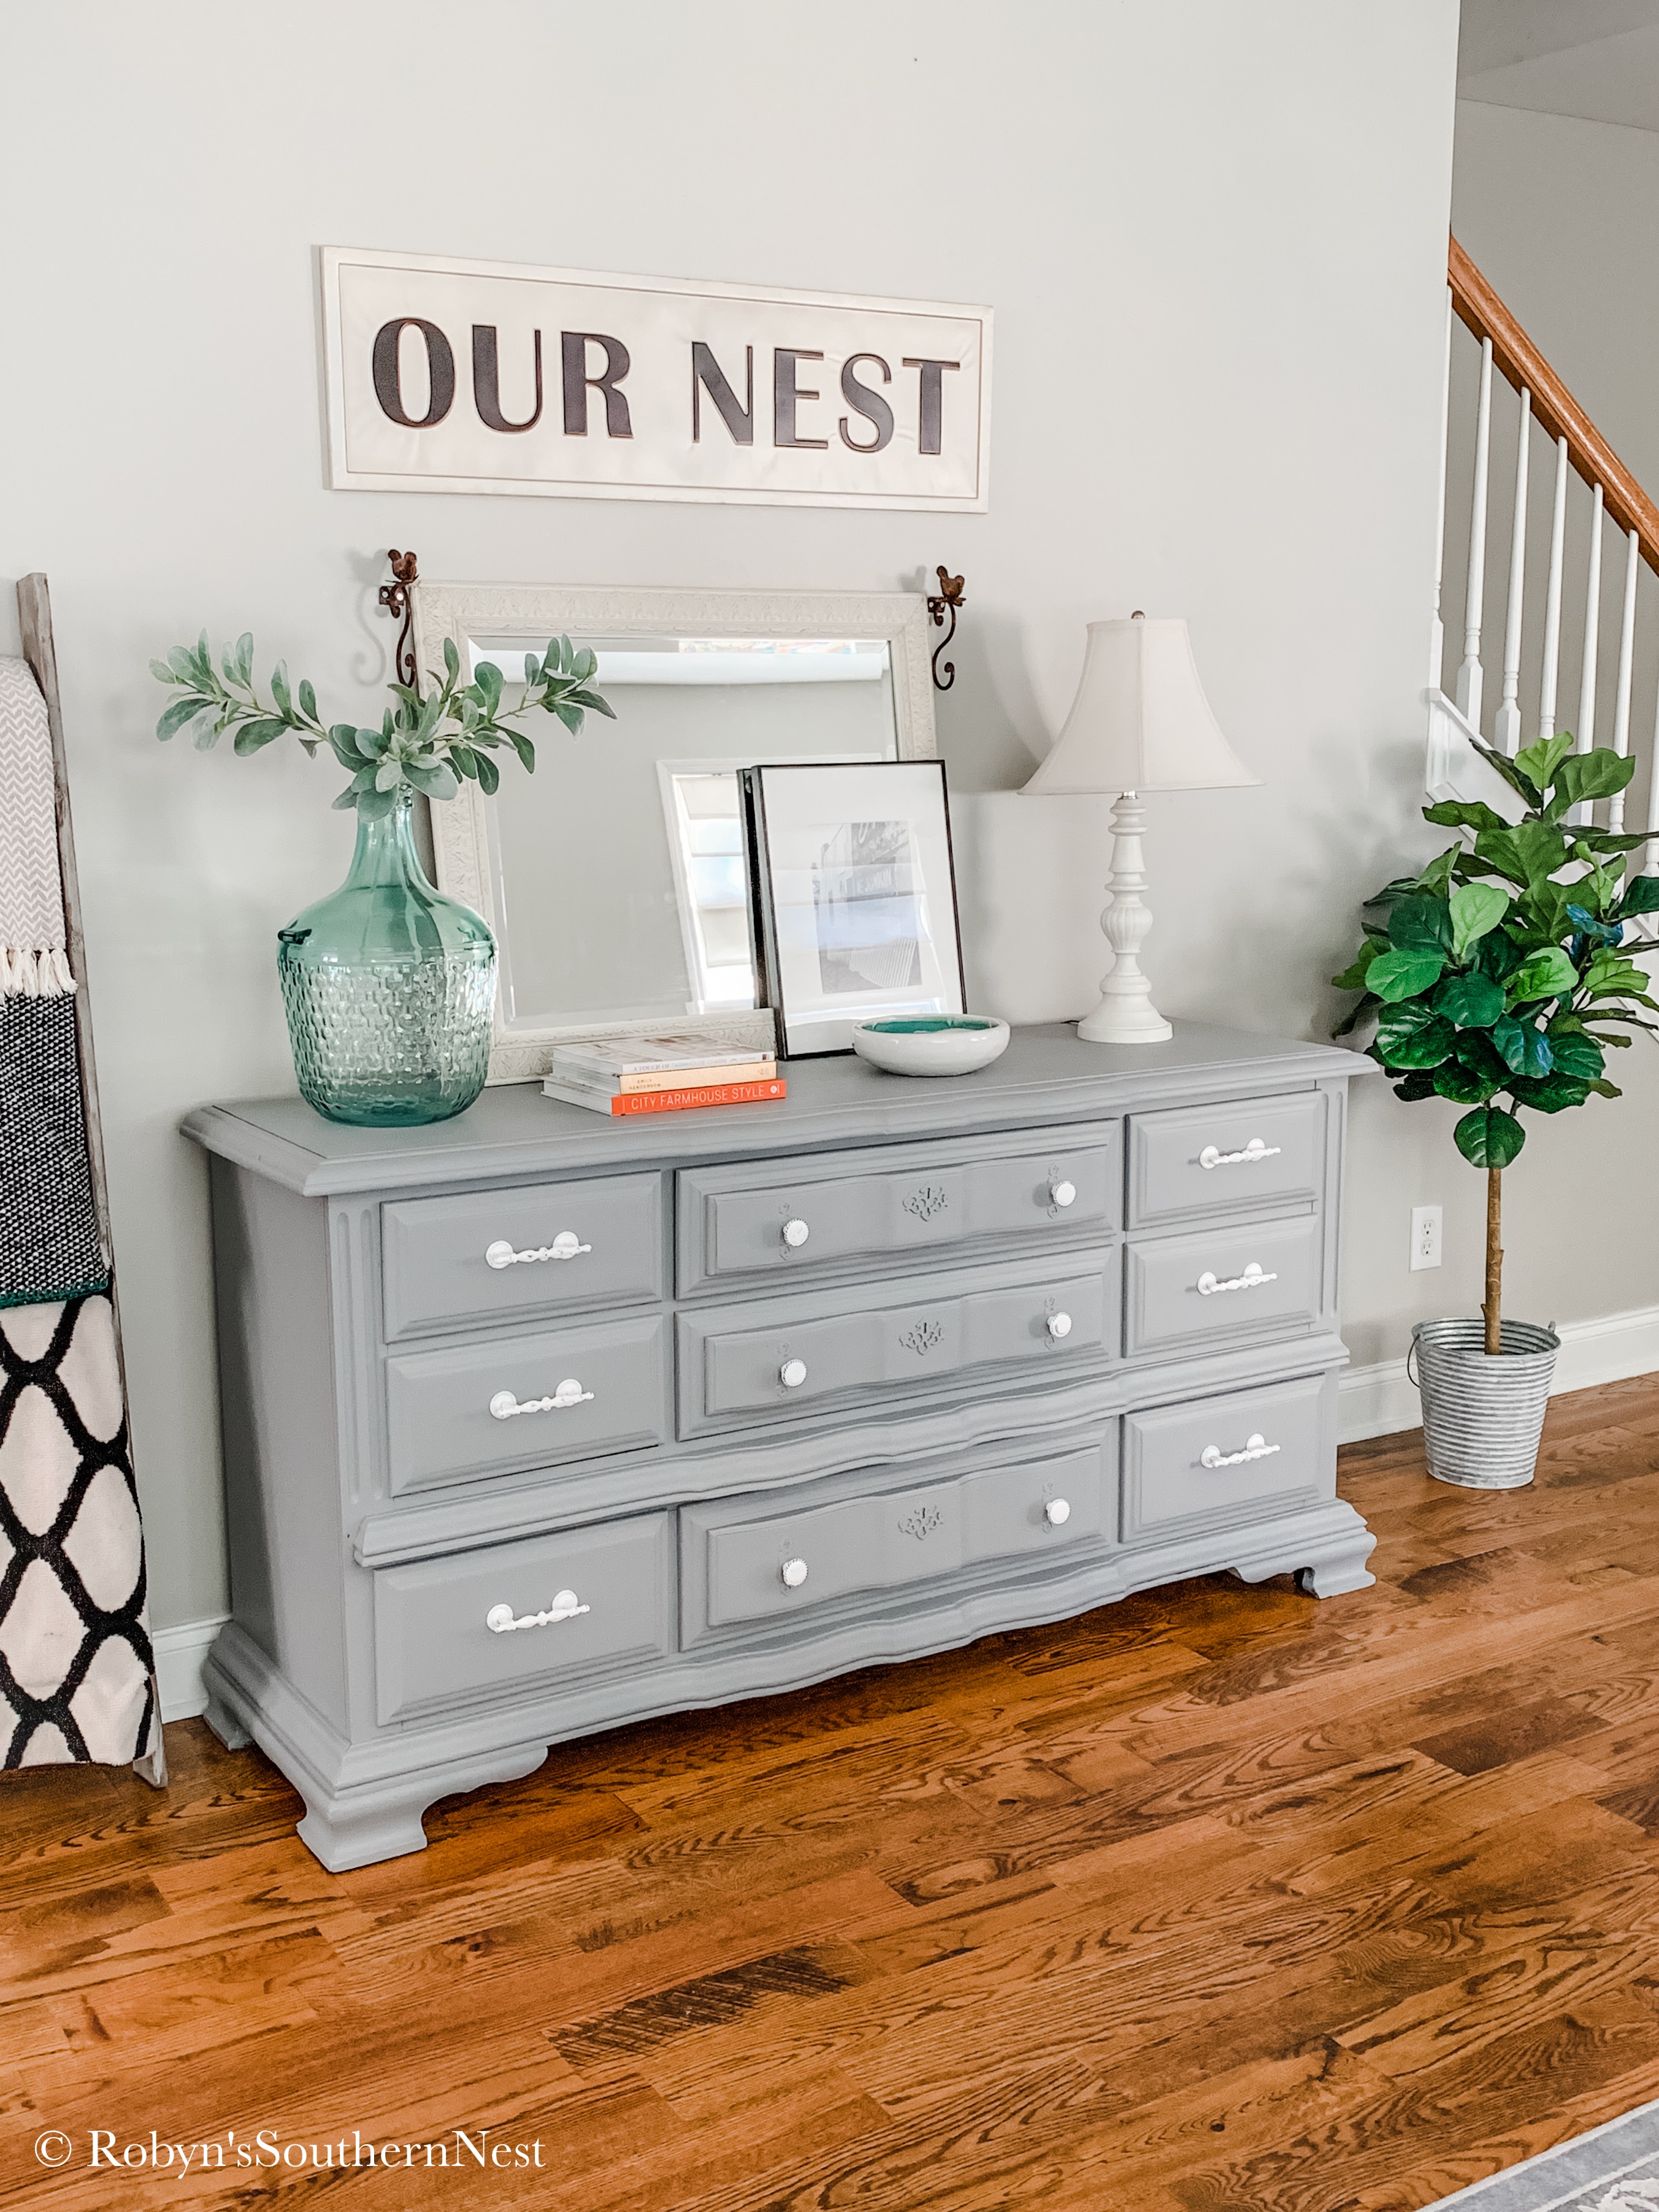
(618, 864)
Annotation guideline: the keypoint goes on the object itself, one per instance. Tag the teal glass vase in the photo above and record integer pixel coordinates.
(390, 987)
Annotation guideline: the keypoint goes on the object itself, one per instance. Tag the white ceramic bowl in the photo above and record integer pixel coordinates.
(931, 1044)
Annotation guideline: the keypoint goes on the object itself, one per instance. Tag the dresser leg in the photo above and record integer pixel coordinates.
(342, 1836)
(225, 1725)
(1338, 1572)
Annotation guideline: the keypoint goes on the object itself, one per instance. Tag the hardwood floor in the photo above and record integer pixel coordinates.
(1220, 1899)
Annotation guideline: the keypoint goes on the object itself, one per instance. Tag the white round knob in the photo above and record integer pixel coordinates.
(566, 1244)
(1060, 1325)
(570, 1392)
(1056, 1512)
(1206, 1282)
(795, 1234)
(503, 1406)
(1253, 1271)
(791, 1375)
(1062, 1194)
(500, 1618)
(794, 1573)
(499, 1253)
(1254, 1443)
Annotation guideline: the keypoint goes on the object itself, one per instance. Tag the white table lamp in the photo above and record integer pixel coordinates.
(1139, 722)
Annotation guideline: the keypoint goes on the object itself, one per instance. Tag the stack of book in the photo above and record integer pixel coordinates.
(663, 1074)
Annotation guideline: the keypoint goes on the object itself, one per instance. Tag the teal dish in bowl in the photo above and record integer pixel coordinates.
(931, 1044)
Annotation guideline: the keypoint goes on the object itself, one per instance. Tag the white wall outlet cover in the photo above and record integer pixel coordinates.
(1426, 1236)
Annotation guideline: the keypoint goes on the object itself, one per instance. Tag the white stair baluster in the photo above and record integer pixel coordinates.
(1469, 676)
(1553, 596)
(1584, 735)
(1436, 628)
(1626, 657)
(1506, 729)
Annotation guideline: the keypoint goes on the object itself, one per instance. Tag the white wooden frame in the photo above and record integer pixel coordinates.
(463, 846)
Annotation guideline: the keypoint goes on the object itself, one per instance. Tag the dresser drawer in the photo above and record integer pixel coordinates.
(750, 1559)
(535, 1248)
(433, 1644)
(787, 1220)
(608, 1383)
(1221, 1285)
(1247, 1156)
(1223, 1461)
(777, 1358)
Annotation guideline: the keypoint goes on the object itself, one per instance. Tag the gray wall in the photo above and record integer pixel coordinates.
(1214, 237)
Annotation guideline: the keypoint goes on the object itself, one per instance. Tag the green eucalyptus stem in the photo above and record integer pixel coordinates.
(428, 742)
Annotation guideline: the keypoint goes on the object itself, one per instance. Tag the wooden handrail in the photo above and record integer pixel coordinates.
(1554, 407)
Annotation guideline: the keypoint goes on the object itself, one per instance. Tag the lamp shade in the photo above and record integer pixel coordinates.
(1139, 721)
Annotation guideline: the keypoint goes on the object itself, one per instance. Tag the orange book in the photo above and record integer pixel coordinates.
(669, 1101)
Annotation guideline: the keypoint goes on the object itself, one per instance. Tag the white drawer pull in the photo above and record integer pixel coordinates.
(1255, 1149)
(1251, 1279)
(794, 1572)
(792, 1374)
(503, 1406)
(503, 1619)
(1254, 1448)
(565, 1246)
(1057, 1512)
(1061, 1194)
(795, 1234)
(1059, 1325)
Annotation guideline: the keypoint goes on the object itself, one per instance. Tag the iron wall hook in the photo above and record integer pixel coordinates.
(395, 600)
(949, 596)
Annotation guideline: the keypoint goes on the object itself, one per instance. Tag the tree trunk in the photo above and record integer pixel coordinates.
(1493, 1306)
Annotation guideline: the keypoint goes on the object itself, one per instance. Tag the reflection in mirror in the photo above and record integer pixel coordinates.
(618, 865)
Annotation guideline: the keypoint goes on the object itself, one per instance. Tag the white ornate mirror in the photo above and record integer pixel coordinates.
(613, 876)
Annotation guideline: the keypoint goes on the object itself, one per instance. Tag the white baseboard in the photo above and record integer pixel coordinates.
(179, 1656)
(1376, 1402)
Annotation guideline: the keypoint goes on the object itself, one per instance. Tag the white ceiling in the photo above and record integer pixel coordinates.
(1595, 58)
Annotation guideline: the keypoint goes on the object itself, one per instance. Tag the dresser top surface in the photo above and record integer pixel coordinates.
(1047, 1074)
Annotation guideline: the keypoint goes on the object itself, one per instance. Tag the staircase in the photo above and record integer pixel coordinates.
(1594, 507)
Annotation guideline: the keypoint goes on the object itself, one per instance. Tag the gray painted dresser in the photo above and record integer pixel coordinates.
(535, 1423)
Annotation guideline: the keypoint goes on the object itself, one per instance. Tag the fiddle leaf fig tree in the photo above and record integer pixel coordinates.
(426, 743)
(1499, 976)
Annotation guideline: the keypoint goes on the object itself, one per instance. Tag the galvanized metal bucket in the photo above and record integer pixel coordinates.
(1482, 1414)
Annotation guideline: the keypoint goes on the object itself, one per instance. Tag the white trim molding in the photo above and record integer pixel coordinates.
(179, 1653)
(1382, 1399)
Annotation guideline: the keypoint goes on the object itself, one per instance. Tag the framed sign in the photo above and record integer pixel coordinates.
(473, 376)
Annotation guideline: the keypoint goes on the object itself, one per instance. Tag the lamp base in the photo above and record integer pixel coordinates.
(1126, 1014)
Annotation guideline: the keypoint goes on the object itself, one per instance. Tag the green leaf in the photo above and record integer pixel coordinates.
(1542, 850)
(308, 699)
(1641, 896)
(1550, 1094)
(388, 776)
(594, 704)
(1476, 911)
(487, 679)
(489, 776)
(1462, 1084)
(1538, 761)
(571, 717)
(1352, 977)
(252, 735)
(1545, 975)
(279, 690)
(1523, 1046)
(174, 717)
(343, 738)
(1591, 775)
(1603, 1088)
(162, 672)
(1412, 1035)
(1464, 814)
(436, 781)
(1577, 1056)
(207, 736)
(1489, 1138)
(525, 749)
(1422, 925)
(181, 661)
(1498, 955)
(1420, 1084)
(1476, 1051)
(244, 658)
(1473, 1001)
(1401, 887)
(451, 658)
(1513, 775)
(372, 744)
(1396, 976)
(347, 798)
(374, 806)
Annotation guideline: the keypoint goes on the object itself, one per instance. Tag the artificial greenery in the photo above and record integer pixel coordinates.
(1497, 975)
(425, 743)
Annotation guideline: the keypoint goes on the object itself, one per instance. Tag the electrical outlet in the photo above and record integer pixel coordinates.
(1426, 1236)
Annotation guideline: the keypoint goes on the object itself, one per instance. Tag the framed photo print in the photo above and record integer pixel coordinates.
(853, 896)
